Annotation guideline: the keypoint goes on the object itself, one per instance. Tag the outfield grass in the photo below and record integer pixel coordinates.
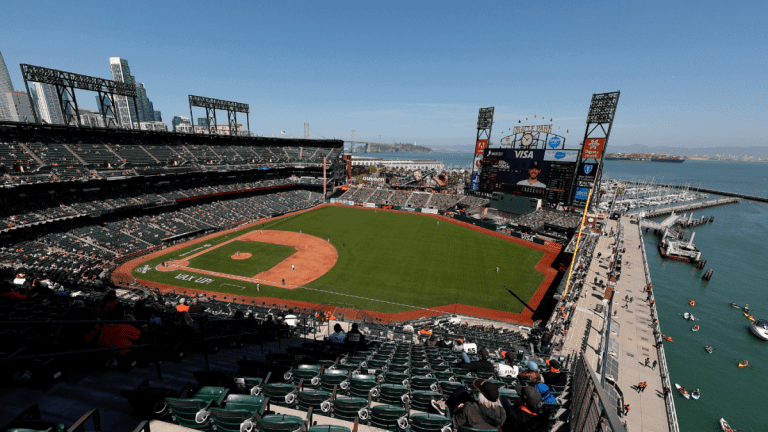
(265, 256)
(393, 257)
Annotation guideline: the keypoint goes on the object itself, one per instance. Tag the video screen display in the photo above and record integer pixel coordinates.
(544, 174)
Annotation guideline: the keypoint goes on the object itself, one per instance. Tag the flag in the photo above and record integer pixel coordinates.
(282, 132)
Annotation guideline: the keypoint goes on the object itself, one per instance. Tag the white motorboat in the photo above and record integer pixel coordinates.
(760, 328)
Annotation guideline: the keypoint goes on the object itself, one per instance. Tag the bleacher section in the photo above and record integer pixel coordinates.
(442, 202)
(231, 358)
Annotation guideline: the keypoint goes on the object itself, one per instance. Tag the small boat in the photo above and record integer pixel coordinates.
(743, 363)
(708, 349)
(683, 392)
(692, 302)
(725, 426)
(734, 305)
(696, 394)
(745, 308)
(749, 317)
(760, 328)
(695, 328)
(688, 316)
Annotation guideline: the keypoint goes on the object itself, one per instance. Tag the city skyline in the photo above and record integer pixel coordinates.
(419, 74)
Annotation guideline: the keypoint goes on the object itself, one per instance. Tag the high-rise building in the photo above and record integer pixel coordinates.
(5, 86)
(202, 121)
(180, 121)
(158, 116)
(47, 103)
(18, 105)
(127, 112)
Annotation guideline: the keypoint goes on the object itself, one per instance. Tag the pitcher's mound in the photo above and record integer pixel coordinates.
(242, 256)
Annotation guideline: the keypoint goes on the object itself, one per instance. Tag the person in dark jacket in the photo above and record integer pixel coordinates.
(480, 365)
(484, 413)
(527, 414)
(554, 376)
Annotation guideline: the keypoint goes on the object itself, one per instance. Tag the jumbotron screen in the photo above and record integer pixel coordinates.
(544, 174)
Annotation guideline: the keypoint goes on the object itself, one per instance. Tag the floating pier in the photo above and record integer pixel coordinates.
(692, 206)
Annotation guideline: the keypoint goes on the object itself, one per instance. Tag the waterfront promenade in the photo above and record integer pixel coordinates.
(632, 337)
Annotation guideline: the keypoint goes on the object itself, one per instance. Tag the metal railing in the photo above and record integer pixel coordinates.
(668, 399)
(591, 409)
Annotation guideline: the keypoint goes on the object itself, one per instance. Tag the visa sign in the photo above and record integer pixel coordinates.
(581, 194)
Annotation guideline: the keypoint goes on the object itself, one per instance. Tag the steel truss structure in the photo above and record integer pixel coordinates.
(602, 111)
(540, 140)
(484, 126)
(67, 82)
(211, 105)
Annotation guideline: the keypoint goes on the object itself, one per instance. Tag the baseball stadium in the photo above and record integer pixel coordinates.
(257, 264)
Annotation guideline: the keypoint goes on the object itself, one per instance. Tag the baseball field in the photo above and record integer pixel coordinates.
(373, 260)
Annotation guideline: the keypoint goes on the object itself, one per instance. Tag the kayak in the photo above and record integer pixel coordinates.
(695, 328)
(724, 424)
(749, 317)
(683, 393)
(708, 349)
(743, 364)
(735, 305)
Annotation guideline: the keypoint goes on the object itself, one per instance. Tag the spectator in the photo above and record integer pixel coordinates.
(238, 315)
(291, 320)
(355, 337)
(546, 395)
(484, 413)
(107, 304)
(554, 376)
(182, 307)
(269, 324)
(196, 307)
(6, 290)
(546, 340)
(338, 335)
(187, 322)
(480, 365)
(432, 341)
(531, 376)
(526, 414)
(446, 342)
(507, 368)
(116, 335)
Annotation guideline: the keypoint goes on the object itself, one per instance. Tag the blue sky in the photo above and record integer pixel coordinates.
(691, 74)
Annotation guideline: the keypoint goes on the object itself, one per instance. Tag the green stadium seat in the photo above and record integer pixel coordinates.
(363, 385)
(394, 394)
(319, 400)
(423, 422)
(213, 394)
(243, 385)
(224, 420)
(349, 408)
(280, 423)
(309, 373)
(190, 413)
(250, 403)
(424, 383)
(422, 400)
(283, 394)
(396, 378)
(399, 367)
(335, 378)
(389, 417)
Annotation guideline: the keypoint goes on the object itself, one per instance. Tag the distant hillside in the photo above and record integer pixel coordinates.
(687, 151)
(398, 147)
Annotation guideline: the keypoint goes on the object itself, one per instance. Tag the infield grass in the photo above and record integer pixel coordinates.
(389, 262)
(264, 257)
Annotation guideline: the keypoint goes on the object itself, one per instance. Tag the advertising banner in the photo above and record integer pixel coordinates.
(593, 148)
(349, 203)
(475, 185)
(480, 146)
(554, 142)
(581, 194)
(371, 205)
(429, 211)
(561, 155)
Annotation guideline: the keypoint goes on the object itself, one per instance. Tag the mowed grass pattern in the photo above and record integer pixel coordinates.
(264, 257)
(399, 258)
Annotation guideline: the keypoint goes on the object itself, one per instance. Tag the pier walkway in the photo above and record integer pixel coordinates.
(705, 190)
(632, 338)
(693, 206)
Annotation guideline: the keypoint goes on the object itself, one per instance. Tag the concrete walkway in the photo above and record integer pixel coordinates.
(631, 330)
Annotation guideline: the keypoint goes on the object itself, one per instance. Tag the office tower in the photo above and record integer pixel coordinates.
(18, 106)
(47, 103)
(202, 121)
(128, 113)
(179, 120)
(158, 116)
(5, 86)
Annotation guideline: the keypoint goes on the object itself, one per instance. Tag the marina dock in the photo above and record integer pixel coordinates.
(711, 191)
(634, 328)
(691, 207)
